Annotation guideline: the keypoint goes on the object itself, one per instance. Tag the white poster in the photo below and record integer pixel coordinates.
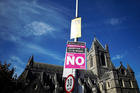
(75, 28)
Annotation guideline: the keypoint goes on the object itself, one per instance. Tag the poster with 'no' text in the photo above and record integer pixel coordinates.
(75, 55)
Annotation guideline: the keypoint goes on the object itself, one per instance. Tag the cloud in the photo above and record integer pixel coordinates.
(31, 47)
(22, 20)
(15, 59)
(18, 70)
(113, 21)
(44, 51)
(116, 57)
(8, 36)
(15, 7)
(37, 29)
(17, 63)
(31, 18)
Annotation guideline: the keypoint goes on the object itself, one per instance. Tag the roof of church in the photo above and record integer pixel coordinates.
(41, 67)
(47, 66)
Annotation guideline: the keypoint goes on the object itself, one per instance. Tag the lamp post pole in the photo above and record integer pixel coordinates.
(75, 40)
(76, 15)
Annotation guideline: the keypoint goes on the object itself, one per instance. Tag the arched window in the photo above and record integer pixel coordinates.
(91, 61)
(103, 59)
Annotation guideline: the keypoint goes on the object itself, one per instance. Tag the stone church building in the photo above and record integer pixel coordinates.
(101, 75)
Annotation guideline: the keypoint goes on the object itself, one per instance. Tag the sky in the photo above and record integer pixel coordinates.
(42, 28)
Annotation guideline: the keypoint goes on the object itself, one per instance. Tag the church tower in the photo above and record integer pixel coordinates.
(98, 58)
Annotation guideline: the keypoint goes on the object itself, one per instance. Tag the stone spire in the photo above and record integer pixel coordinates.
(93, 46)
(129, 68)
(95, 39)
(30, 61)
(106, 48)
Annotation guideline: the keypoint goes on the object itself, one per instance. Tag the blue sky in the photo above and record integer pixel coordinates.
(42, 28)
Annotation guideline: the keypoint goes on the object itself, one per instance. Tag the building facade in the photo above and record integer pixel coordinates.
(109, 78)
(101, 75)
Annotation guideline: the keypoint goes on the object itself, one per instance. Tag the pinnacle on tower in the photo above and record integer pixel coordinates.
(106, 48)
(129, 68)
(30, 61)
(121, 66)
(95, 39)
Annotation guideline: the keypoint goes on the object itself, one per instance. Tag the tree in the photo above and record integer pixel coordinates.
(6, 78)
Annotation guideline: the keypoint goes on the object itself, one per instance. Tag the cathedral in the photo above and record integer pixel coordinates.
(101, 76)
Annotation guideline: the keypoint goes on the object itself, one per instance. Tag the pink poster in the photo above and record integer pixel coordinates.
(75, 60)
